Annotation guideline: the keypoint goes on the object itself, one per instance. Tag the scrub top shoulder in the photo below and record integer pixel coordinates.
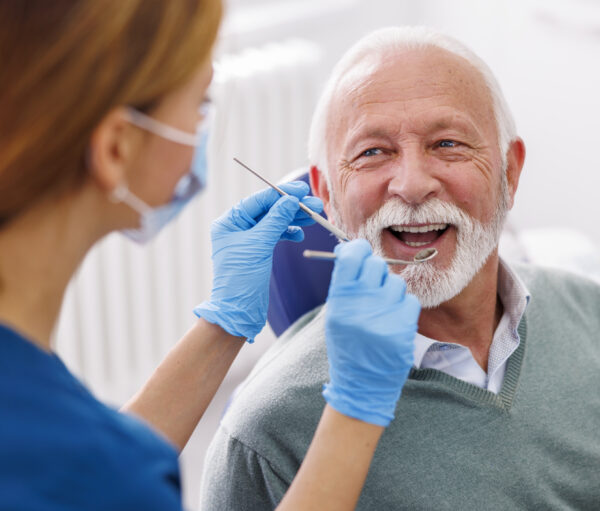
(61, 449)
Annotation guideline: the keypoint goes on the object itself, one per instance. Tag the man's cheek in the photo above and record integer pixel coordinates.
(364, 199)
(359, 209)
(347, 212)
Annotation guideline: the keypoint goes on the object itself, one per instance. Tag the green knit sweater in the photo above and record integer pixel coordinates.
(452, 445)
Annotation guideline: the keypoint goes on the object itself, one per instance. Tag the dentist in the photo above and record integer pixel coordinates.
(103, 127)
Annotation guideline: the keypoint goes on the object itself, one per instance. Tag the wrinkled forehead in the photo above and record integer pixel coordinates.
(414, 79)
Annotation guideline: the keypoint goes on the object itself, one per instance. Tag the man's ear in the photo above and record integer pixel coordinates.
(319, 187)
(515, 158)
(112, 149)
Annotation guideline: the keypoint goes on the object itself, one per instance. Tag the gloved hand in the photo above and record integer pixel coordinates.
(370, 326)
(243, 240)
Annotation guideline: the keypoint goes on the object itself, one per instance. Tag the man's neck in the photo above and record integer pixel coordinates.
(470, 318)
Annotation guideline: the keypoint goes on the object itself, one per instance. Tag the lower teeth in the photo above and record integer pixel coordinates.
(416, 243)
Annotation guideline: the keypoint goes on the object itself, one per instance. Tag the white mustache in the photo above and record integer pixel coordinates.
(396, 212)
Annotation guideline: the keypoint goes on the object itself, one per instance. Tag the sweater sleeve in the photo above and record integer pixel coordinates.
(237, 477)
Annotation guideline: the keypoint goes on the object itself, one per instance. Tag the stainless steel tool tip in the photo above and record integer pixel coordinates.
(425, 255)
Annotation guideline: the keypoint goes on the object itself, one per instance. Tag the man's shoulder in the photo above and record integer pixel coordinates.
(540, 279)
(558, 295)
(536, 275)
(282, 396)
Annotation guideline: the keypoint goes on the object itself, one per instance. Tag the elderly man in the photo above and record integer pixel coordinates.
(413, 146)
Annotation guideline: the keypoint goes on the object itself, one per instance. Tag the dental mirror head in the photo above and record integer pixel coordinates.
(425, 255)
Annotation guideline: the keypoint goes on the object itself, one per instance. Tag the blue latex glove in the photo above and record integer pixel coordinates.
(243, 240)
(370, 326)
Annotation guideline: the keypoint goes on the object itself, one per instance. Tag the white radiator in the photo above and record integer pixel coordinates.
(128, 304)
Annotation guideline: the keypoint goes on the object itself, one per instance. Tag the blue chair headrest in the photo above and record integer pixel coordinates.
(298, 285)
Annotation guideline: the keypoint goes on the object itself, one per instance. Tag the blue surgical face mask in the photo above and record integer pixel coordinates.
(152, 220)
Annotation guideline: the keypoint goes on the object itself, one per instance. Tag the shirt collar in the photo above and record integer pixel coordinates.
(514, 296)
(422, 344)
(513, 293)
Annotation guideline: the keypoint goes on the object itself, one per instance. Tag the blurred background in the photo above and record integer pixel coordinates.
(128, 305)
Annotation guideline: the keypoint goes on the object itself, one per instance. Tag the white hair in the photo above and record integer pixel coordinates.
(395, 39)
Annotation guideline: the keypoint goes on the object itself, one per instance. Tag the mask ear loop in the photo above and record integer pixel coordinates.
(150, 124)
(121, 193)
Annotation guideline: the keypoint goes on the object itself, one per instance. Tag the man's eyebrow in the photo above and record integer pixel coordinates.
(454, 122)
(367, 133)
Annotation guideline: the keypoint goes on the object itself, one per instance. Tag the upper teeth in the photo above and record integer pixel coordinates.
(421, 228)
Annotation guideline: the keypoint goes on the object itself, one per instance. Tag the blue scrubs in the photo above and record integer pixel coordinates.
(61, 449)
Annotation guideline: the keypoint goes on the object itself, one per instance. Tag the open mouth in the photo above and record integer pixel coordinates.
(418, 236)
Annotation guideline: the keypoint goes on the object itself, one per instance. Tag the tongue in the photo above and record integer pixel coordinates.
(419, 237)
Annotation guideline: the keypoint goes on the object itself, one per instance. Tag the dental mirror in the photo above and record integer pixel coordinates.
(420, 257)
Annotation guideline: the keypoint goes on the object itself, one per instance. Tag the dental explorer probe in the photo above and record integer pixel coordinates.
(315, 216)
(420, 257)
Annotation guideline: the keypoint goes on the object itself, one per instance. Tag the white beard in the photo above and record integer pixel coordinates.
(474, 244)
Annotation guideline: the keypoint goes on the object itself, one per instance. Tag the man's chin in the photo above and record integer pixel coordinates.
(422, 280)
(433, 286)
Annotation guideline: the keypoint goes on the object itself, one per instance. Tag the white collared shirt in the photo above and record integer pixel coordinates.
(457, 360)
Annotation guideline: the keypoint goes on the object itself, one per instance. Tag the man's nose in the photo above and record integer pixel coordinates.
(413, 180)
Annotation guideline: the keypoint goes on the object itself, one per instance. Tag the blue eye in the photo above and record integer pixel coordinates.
(448, 143)
(371, 152)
